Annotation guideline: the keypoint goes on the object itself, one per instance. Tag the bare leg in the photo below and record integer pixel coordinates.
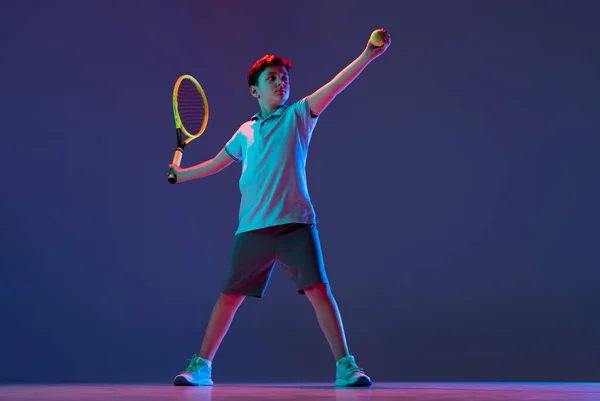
(329, 318)
(218, 324)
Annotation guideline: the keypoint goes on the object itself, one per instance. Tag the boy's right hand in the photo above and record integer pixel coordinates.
(178, 171)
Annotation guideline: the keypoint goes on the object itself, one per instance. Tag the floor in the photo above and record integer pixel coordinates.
(307, 391)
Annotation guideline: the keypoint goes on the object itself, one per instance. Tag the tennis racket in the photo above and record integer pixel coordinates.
(190, 109)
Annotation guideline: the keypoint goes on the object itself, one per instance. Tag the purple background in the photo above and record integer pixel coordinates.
(456, 181)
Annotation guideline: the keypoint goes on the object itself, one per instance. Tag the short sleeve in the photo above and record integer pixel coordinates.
(234, 146)
(303, 112)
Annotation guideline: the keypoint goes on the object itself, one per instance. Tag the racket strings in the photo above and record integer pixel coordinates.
(191, 107)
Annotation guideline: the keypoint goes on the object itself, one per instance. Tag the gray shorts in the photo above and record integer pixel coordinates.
(295, 246)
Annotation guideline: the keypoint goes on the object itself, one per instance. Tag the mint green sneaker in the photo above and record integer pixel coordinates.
(349, 374)
(196, 374)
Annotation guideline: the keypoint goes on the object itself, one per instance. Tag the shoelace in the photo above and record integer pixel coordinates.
(353, 368)
(195, 364)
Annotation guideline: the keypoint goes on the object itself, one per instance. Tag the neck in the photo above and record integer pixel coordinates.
(266, 110)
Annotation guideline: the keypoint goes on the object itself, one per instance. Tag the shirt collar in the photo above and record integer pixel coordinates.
(277, 112)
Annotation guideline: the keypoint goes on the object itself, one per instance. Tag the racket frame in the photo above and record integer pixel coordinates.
(179, 128)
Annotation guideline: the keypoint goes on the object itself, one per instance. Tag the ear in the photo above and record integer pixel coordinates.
(254, 91)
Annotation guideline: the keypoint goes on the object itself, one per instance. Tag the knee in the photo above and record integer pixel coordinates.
(318, 291)
(231, 300)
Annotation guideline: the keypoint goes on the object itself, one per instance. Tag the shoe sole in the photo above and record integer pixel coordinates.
(182, 381)
(360, 382)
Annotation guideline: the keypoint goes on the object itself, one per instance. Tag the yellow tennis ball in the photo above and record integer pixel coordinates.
(378, 37)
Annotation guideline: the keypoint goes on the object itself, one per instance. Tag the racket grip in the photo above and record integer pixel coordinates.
(172, 177)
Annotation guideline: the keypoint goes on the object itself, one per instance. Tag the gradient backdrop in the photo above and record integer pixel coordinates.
(456, 181)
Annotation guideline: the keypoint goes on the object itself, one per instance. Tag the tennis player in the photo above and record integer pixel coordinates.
(277, 221)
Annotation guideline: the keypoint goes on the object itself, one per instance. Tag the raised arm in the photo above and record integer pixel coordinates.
(209, 167)
(319, 100)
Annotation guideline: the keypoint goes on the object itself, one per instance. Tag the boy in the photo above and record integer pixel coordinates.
(276, 219)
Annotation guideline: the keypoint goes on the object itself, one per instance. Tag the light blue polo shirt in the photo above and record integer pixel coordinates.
(273, 153)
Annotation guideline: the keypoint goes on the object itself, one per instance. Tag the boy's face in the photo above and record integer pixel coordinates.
(273, 86)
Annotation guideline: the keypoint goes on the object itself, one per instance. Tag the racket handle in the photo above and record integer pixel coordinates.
(172, 177)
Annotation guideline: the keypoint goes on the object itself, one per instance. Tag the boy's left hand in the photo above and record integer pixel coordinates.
(373, 51)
